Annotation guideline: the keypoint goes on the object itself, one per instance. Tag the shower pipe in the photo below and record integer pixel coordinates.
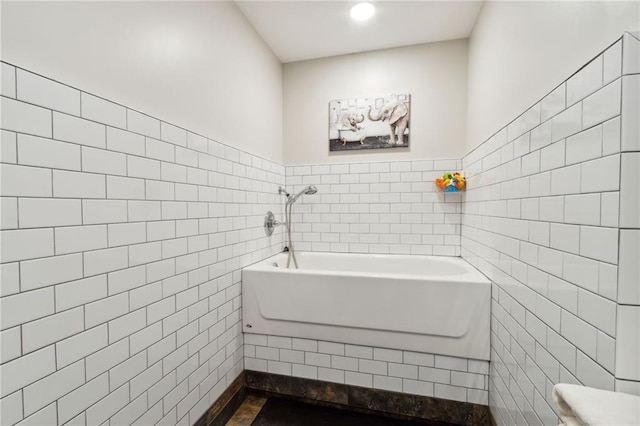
(288, 209)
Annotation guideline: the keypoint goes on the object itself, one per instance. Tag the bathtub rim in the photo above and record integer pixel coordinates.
(471, 275)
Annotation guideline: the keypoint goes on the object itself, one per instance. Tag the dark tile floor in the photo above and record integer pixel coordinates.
(257, 411)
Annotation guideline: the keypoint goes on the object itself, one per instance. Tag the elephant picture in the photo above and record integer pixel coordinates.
(396, 114)
(369, 123)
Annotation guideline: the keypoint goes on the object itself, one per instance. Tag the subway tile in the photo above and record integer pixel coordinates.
(51, 270)
(11, 410)
(450, 392)
(78, 185)
(123, 141)
(47, 93)
(25, 181)
(80, 399)
(567, 123)
(160, 150)
(102, 161)
(126, 279)
(417, 387)
(435, 375)
(131, 411)
(602, 105)
(358, 379)
(126, 325)
(391, 355)
(553, 103)
(630, 54)
(72, 239)
(612, 68)
(25, 118)
(26, 244)
(47, 415)
(8, 82)
(467, 380)
(41, 152)
(609, 215)
(144, 253)
(103, 211)
(103, 111)
(11, 341)
(592, 374)
(143, 124)
(8, 147)
(143, 167)
(629, 267)
(585, 81)
(582, 209)
(629, 194)
(579, 333)
(601, 175)
(597, 311)
(107, 358)
(24, 307)
(125, 188)
(126, 233)
(52, 329)
(8, 213)
(84, 132)
(630, 128)
(143, 210)
(80, 292)
(606, 347)
(393, 384)
(580, 271)
(101, 261)
(197, 142)
(599, 243)
(566, 180)
(627, 342)
(611, 136)
(565, 237)
(584, 146)
(27, 369)
(44, 212)
(173, 134)
(404, 371)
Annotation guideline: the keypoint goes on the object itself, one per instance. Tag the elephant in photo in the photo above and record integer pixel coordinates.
(351, 121)
(396, 114)
(349, 129)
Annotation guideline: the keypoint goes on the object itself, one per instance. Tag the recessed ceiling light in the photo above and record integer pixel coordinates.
(363, 11)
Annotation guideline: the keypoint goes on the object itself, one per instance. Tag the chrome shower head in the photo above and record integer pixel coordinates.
(309, 190)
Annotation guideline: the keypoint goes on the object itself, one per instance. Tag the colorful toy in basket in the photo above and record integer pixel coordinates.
(450, 182)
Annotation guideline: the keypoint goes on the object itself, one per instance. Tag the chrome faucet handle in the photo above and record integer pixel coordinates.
(270, 223)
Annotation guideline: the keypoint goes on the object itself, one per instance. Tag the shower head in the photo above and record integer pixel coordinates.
(309, 190)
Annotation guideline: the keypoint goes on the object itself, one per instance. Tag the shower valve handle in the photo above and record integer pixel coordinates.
(270, 223)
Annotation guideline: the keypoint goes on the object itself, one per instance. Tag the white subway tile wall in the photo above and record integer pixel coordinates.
(543, 223)
(122, 241)
(123, 237)
(439, 376)
(381, 207)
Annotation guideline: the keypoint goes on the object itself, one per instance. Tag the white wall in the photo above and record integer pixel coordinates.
(551, 217)
(199, 65)
(518, 51)
(434, 74)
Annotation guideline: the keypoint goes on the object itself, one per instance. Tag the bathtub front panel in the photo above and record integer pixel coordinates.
(394, 311)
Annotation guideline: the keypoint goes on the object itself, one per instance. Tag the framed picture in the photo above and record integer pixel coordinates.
(369, 123)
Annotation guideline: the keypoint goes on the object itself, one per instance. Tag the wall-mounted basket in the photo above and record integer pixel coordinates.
(451, 182)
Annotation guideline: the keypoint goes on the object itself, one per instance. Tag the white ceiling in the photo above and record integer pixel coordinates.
(301, 30)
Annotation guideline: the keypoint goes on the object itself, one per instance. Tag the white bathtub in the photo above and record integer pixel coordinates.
(431, 304)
